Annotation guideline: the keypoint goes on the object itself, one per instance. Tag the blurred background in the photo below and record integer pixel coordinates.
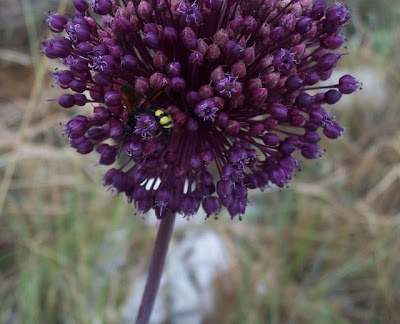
(324, 250)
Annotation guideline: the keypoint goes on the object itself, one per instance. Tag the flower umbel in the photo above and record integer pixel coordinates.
(238, 75)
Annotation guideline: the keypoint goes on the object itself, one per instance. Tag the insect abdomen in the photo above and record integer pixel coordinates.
(165, 122)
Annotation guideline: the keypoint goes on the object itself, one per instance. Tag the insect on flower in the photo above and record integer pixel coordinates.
(131, 100)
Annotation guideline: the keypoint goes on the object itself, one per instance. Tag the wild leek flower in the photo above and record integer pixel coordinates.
(238, 76)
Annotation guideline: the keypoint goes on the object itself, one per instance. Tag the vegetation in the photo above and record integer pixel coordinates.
(323, 250)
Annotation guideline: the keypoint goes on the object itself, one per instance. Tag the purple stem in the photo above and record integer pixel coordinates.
(156, 268)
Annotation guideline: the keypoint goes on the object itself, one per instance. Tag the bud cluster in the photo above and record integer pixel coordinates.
(238, 73)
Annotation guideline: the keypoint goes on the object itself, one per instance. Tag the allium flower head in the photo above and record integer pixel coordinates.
(238, 74)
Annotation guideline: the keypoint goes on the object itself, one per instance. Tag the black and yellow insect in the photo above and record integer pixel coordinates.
(131, 100)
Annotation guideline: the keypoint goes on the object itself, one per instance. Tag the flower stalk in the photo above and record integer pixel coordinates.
(156, 268)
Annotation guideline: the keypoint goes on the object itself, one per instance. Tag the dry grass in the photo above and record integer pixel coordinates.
(324, 250)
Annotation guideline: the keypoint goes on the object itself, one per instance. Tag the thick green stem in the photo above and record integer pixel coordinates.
(156, 268)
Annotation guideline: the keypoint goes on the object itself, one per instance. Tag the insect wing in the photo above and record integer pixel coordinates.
(130, 98)
(154, 97)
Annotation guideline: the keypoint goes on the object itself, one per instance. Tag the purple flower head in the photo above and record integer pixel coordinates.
(233, 112)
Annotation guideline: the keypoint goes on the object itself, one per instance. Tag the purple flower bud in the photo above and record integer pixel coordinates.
(170, 35)
(81, 6)
(303, 100)
(56, 22)
(311, 137)
(224, 188)
(78, 32)
(189, 39)
(112, 98)
(101, 113)
(332, 96)
(211, 206)
(348, 84)
(80, 99)
(260, 95)
(117, 52)
(107, 180)
(221, 37)
(277, 33)
(213, 4)
(84, 147)
(192, 125)
(102, 7)
(311, 78)
(78, 86)
(270, 139)
(159, 59)
(318, 9)
(158, 80)
(257, 129)
(249, 25)
(142, 85)
(173, 69)
(120, 180)
(117, 128)
(293, 82)
(76, 127)
(144, 205)
(333, 130)
(337, 14)
(195, 162)
(145, 10)
(192, 98)
(328, 61)
(270, 123)
(310, 151)
(196, 58)
(151, 40)
(237, 24)
(278, 111)
(189, 14)
(213, 52)
(237, 207)
(178, 84)
(107, 154)
(84, 48)
(134, 149)
(63, 78)
(102, 79)
(66, 100)
(332, 42)
(234, 50)
(222, 119)
(206, 91)
(239, 69)
(286, 148)
(121, 26)
(77, 64)
(297, 119)
(303, 25)
(232, 127)
(58, 47)
(238, 157)
(163, 196)
(189, 205)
